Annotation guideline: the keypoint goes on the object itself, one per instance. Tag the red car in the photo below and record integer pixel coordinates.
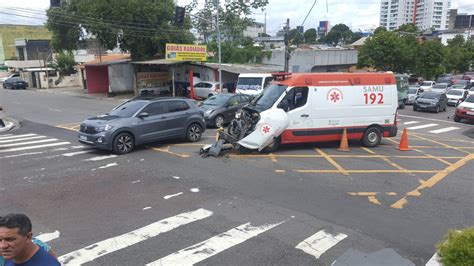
(465, 110)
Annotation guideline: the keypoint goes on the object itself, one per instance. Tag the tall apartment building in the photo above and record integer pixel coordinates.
(425, 14)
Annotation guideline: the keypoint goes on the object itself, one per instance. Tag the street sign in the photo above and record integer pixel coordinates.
(186, 52)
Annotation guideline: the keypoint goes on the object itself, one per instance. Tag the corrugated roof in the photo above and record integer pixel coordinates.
(238, 68)
(109, 59)
(159, 62)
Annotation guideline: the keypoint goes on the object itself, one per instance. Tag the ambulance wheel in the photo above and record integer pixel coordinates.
(372, 137)
(273, 147)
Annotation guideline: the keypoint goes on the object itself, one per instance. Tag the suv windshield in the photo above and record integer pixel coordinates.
(412, 91)
(249, 83)
(268, 97)
(428, 95)
(128, 109)
(217, 99)
(439, 86)
(454, 92)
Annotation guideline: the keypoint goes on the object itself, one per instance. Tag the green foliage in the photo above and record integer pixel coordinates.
(141, 27)
(295, 37)
(379, 30)
(457, 248)
(310, 35)
(64, 63)
(430, 56)
(339, 34)
(409, 27)
(231, 53)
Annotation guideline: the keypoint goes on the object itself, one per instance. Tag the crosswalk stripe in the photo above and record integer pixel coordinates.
(46, 237)
(100, 158)
(17, 136)
(113, 244)
(5, 135)
(21, 139)
(69, 154)
(443, 130)
(411, 122)
(213, 245)
(319, 243)
(35, 147)
(26, 143)
(422, 126)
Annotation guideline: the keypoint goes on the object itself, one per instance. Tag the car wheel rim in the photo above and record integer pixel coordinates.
(124, 144)
(219, 121)
(372, 137)
(194, 133)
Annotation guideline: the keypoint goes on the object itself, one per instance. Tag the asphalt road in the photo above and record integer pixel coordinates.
(302, 205)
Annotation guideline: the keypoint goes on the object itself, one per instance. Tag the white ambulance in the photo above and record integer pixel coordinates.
(252, 83)
(315, 107)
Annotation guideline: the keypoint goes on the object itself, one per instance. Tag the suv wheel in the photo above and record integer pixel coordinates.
(194, 132)
(372, 137)
(219, 121)
(123, 143)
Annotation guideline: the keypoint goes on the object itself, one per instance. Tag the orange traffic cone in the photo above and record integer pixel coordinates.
(344, 146)
(404, 141)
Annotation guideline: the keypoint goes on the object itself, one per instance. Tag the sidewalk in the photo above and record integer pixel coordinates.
(80, 92)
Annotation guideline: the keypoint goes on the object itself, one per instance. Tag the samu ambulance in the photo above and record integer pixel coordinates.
(316, 107)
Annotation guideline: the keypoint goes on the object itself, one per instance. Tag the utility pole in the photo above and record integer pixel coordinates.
(287, 50)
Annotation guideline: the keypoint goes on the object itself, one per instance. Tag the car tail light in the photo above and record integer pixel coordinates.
(216, 88)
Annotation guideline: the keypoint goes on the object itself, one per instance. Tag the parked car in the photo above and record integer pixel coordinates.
(15, 83)
(465, 110)
(456, 96)
(413, 92)
(206, 89)
(471, 91)
(142, 120)
(415, 80)
(12, 75)
(463, 84)
(220, 109)
(426, 85)
(439, 87)
(431, 101)
(445, 79)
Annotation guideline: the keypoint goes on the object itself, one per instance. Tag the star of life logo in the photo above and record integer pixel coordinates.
(265, 129)
(334, 96)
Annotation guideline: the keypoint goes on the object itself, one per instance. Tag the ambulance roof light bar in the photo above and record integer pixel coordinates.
(280, 76)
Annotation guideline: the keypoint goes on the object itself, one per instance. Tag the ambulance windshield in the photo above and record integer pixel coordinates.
(268, 97)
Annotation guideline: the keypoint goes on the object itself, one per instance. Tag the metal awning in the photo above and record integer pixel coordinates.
(160, 62)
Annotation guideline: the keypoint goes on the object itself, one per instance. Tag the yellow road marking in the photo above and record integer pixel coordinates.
(440, 143)
(340, 156)
(331, 161)
(367, 171)
(433, 157)
(70, 126)
(396, 165)
(374, 200)
(167, 150)
(367, 150)
(371, 196)
(432, 181)
(391, 140)
(272, 157)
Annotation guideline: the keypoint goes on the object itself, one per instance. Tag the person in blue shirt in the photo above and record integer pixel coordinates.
(16, 245)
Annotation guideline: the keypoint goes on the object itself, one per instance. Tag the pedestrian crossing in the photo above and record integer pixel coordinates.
(432, 127)
(315, 246)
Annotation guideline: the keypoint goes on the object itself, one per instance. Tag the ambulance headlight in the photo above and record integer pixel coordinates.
(238, 114)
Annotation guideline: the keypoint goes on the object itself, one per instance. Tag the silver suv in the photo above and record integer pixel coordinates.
(142, 120)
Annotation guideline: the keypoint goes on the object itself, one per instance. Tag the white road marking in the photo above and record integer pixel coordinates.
(422, 126)
(108, 165)
(442, 130)
(100, 158)
(176, 177)
(55, 110)
(5, 135)
(26, 143)
(69, 154)
(22, 154)
(77, 147)
(17, 136)
(146, 208)
(438, 120)
(411, 122)
(113, 244)
(173, 195)
(16, 102)
(136, 181)
(21, 139)
(214, 245)
(194, 190)
(319, 243)
(35, 147)
(434, 261)
(48, 236)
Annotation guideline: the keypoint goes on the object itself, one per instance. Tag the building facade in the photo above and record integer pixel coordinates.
(425, 14)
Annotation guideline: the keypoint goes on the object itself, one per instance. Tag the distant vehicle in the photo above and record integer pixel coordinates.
(142, 120)
(413, 92)
(206, 89)
(456, 96)
(402, 90)
(439, 87)
(463, 84)
(415, 81)
(431, 101)
(465, 110)
(220, 109)
(12, 75)
(426, 85)
(253, 83)
(15, 83)
(471, 90)
(445, 79)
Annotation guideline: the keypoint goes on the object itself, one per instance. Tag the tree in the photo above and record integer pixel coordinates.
(310, 35)
(339, 34)
(64, 63)
(137, 26)
(379, 30)
(458, 57)
(429, 59)
(409, 27)
(295, 37)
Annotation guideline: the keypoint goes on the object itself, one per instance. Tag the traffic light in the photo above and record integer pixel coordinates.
(55, 3)
(179, 13)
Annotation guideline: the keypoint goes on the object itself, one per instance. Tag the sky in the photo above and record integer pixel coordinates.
(357, 14)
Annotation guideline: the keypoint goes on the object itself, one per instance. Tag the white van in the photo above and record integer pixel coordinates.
(316, 107)
(253, 83)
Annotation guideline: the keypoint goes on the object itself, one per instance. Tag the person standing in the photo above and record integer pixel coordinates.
(16, 244)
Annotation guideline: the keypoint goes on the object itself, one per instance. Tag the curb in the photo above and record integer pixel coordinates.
(9, 124)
